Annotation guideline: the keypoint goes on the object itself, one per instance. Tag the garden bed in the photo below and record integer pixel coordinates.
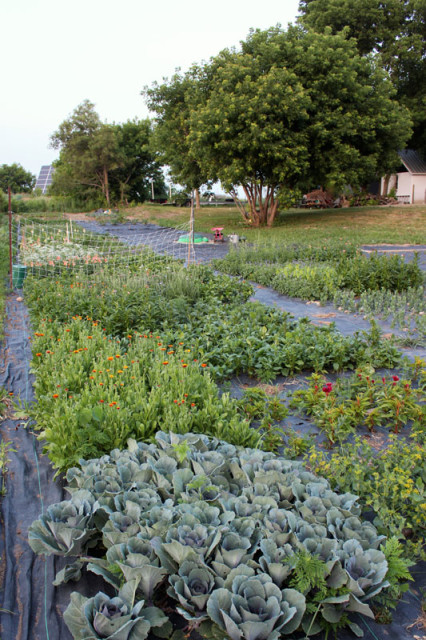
(76, 361)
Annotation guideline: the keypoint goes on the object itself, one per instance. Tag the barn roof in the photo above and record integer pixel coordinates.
(412, 161)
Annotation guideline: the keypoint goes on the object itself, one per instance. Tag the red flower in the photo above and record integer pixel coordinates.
(395, 378)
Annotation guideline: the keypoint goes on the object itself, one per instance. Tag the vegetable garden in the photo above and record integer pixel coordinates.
(193, 502)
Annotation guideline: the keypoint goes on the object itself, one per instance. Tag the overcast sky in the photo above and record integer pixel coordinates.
(55, 54)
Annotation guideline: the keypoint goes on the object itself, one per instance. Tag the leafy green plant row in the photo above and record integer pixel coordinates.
(146, 294)
(209, 313)
(237, 542)
(313, 278)
(407, 310)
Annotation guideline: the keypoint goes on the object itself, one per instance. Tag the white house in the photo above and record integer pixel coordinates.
(410, 181)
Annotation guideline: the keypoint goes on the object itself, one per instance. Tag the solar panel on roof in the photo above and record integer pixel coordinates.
(45, 177)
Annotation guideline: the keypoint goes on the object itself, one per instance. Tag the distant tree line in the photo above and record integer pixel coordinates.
(108, 163)
(327, 102)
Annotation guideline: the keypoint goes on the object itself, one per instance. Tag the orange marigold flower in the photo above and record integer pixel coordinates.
(184, 365)
(204, 364)
(185, 395)
(166, 362)
(101, 400)
(38, 354)
(119, 371)
(192, 404)
(39, 334)
(101, 384)
(55, 395)
(118, 356)
(169, 352)
(89, 337)
(110, 358)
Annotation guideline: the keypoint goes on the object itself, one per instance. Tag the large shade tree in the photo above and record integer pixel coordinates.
(113, 160)
(294, 109)
(173, 102)
(139, 165)
(88, 152)
(395, 32)
(15, 177)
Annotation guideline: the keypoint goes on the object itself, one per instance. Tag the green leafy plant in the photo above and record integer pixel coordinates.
(222, 536)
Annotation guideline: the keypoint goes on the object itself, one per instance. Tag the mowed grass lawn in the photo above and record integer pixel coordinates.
(405, 224)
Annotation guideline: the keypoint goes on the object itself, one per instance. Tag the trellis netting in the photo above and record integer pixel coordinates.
(47, 248)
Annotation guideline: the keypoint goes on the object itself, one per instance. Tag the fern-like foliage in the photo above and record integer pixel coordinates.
(309, 574)
(398, 575)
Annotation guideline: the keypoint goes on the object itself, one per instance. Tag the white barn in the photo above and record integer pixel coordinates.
(410, 181)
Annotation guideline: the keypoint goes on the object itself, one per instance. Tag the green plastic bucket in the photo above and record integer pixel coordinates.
(19, 271)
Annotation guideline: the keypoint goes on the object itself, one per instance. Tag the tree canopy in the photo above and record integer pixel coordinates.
(113, 160)
(15, 177)
(291, 109)
(173, 102)
(395, 31)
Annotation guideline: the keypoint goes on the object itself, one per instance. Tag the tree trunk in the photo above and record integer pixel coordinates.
(385, 185)
(197, 199)
(106, 185)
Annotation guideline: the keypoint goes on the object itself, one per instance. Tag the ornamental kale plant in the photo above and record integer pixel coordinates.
(240, 543)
